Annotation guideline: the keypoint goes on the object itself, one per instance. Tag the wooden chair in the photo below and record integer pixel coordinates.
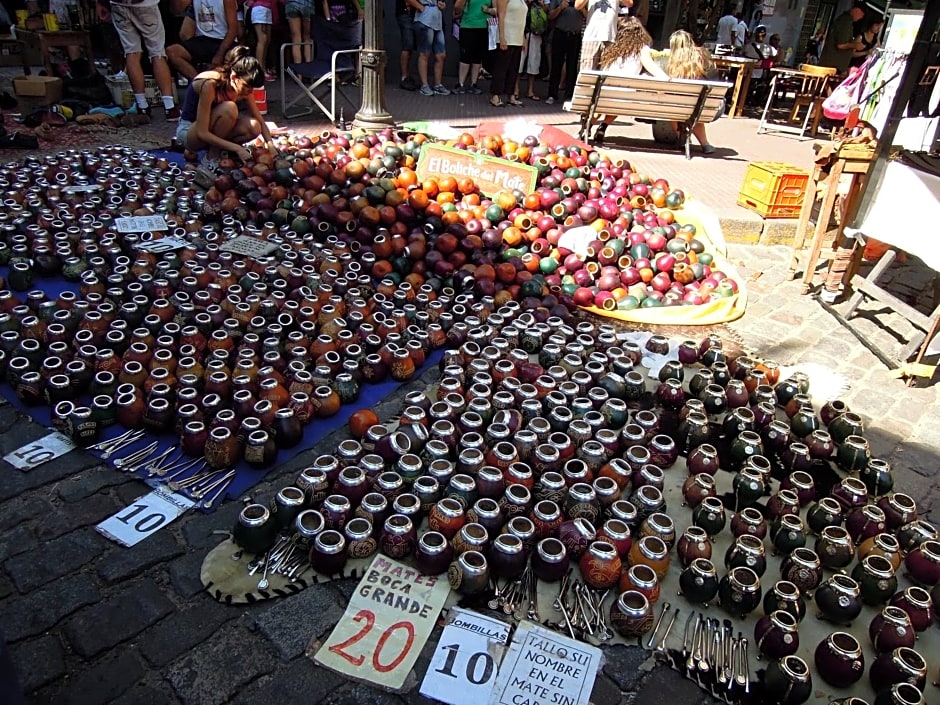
(810, 94)
(808, 86)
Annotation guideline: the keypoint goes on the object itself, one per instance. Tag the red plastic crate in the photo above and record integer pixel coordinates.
(774, 189)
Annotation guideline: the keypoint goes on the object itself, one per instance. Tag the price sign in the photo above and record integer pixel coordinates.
(39, 452)
(463, 669)
(141, 224)
(162, 244)
(387, 621)
(545, 667)
(248, 246)
(144, 517)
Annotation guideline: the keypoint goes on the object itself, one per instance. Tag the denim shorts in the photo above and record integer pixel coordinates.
(406, 28)
(302, 9)
(429, 40)
(139, 27)
(182, 132)
(262, 15)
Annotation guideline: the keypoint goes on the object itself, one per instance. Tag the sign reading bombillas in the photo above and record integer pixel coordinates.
(491, 174)
(545, 668)
(388, 620)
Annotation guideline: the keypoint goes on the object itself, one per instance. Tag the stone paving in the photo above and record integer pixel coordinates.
(90, 622)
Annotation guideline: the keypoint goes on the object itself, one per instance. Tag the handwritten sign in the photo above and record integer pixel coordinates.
(141, 224)
(463, 669)
(388, 620)
(544, 668)
(40, 451)
(144, 517)
(248, 246)
(491, 174)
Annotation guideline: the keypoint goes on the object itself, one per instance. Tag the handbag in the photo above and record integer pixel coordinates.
(838, 104)
(492, 28)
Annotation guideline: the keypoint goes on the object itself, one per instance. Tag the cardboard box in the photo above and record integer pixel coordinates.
(38, 90)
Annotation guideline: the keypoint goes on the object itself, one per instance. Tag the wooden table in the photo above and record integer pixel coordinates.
(742, 80)
(54, 40)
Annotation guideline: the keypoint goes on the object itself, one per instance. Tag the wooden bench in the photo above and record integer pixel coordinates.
(676, 99)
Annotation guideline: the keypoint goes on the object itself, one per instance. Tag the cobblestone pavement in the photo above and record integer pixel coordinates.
(90, 622)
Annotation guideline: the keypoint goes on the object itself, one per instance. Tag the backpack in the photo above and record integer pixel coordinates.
(538, 20)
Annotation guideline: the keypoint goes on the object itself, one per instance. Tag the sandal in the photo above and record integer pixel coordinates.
(514, 101)
(496, 102)
(533, 97)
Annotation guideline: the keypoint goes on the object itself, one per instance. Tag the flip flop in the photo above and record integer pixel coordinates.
(533, 97)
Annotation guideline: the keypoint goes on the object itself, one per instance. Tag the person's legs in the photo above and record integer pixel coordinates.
(699, 133)
(406, 31)
(181, 60)
(424, 36)
(306, 37)
(222, 123)
(122, 17)
(571, 65)
(512, 71)
(150, 25)
(559, 48)
(440, 56)
(293, 25)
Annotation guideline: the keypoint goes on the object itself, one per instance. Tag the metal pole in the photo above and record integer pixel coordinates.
(373, 115)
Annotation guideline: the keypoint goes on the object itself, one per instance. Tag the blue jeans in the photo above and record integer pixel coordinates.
(406, 28)
(429, 40)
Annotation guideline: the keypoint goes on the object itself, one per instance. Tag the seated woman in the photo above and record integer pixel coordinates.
(628, 55)
(211, 115)
(686, 60)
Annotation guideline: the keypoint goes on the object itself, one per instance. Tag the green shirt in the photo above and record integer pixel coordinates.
(473, 16)
(841, 32)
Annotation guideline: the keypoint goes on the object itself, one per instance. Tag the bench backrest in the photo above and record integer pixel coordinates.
(646, 97)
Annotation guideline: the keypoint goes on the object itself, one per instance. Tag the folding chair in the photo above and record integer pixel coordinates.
(336, 48)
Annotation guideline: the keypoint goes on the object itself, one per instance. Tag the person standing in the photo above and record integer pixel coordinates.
(474, 42)
(566, 46)
(216, 31)
(600, 30)
(405, 16)
(641, 10)
(429, 34)
(138, 25)
(531, 61)
(841, 44)
(868, 35)
(299, 14)
(740, 31)
(263, 15)
(512, 16)
(726, 27)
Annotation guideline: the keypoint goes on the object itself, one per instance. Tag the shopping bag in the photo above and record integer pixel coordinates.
(846, 94)
(492, 26)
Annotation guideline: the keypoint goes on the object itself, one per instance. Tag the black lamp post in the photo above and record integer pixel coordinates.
(373, 115)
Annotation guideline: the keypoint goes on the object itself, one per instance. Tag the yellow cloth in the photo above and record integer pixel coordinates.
(708, 231)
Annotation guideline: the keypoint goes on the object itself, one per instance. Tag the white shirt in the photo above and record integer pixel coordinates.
(740, 34)
(601, 21)
(726, 28)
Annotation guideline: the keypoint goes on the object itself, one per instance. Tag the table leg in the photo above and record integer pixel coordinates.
(741, 101)
(822, 223)
(736, 92)
(46, 57)
(806, 212)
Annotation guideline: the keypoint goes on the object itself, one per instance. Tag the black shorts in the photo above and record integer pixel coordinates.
(201, 49)
(474, 43)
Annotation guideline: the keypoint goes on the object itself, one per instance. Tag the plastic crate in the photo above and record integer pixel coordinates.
(774, 189)
(123, 96)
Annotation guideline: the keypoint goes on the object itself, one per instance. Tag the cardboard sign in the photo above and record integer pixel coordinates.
(144, 517)
(464, 667)
(543, 667)
(491, 174)
(248, 246)
(141, 224)
(40, 451)
(388, 620)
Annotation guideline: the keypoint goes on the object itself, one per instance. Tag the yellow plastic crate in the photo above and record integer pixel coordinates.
(774, 189)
